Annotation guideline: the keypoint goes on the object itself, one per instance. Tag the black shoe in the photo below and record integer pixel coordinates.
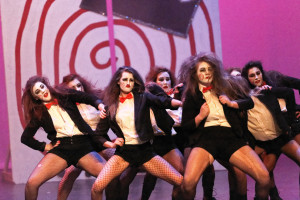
(274, 194)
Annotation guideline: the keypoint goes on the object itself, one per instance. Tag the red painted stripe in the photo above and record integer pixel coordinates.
(173, 53)
(39, 37)
(58, 39)
(78, 40)
(102, 24)
(210, 29)
(192, 41)
(141, 34)
(18, 59)
(108, 63)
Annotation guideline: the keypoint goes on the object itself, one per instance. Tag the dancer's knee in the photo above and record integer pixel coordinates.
(264, 178)
(188, 186)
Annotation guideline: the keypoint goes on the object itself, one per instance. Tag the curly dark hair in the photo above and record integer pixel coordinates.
(189, 68)
(249, 66)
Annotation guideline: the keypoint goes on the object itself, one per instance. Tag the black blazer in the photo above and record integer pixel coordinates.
(163, 119)
(142, 103)
(191, 108)
(68, 103)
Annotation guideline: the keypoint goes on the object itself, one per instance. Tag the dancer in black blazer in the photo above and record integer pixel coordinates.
(128, 115)
(91, 117)
(210, 115)
(272, 137)
(56, 112)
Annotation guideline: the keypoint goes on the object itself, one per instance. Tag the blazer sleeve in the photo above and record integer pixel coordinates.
(82, 97)
(101, 135)
(190, 110)
(28, 139)
(245, 104)
(291, 82)
(161, 101)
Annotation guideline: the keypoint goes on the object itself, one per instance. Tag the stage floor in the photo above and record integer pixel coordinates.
(286, 176)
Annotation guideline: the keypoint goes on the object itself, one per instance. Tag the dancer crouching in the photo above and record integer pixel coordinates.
(215, 132)
(56, 112)
(128, 115)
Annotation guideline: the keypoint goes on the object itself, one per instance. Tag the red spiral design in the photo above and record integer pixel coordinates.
(104, 44)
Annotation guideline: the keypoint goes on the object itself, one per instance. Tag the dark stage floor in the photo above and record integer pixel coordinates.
(286, 175)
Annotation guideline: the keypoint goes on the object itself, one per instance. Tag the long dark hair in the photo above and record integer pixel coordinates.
(33, 107)
(112, 91)
(87, 86)
(189, 70)
(249, 66)
(154, 71)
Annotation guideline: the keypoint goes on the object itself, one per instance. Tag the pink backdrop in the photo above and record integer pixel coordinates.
(261, 30)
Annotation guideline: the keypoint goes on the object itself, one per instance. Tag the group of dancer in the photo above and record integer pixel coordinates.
(244, 118)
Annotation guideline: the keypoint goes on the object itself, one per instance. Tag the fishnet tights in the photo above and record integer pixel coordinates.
(160, 168)
(113, 168)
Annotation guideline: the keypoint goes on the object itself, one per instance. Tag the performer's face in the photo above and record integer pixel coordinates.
(205, 73)
(126, 82)
(235, 73)
(255, 76)
(76, 85)
(40, 91)
(164, 81)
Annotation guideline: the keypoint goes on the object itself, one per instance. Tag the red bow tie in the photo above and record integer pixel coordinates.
(54, 102)
(205, 89)
(128, 96)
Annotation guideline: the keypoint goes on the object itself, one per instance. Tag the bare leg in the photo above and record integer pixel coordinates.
(47, 168)
(237, 182)
(113, 168)
(248, 161)
(292, 150)
(160, 168)
(297, 138)
(197, 162)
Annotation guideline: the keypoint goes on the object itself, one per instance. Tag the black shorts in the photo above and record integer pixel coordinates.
(274, 146)
(136, 154)
(219, 141)
(163, 144)
(73, 148)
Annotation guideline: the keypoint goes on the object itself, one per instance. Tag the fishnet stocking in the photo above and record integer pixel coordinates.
(157, 166)
(175, 158)
(113, 168)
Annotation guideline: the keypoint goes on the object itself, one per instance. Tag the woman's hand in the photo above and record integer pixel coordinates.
(226, 101)
(102, 114)
(114, 143)
(49, 146)
(119, 141)
(266, 87)
(204, 111)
